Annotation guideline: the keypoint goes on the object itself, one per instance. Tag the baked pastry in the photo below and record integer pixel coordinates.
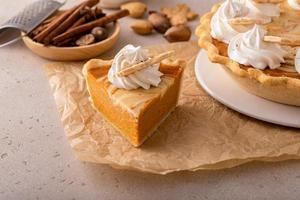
(132, 92)
(256, 42)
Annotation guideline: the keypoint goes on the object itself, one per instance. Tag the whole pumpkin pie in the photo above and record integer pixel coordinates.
(256, 42)
(134, 92)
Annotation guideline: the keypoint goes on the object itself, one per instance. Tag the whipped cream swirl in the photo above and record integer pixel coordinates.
(144, 78)
(250, 49)
(220, 26)
(294, 4)
(222, 30)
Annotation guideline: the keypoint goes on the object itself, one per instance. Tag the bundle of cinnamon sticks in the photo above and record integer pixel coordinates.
(74, 27)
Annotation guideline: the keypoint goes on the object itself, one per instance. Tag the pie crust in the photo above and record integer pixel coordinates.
(276, 85)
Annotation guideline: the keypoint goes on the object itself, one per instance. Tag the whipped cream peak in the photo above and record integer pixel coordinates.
(249, 48)
(220, 26)
(255, 36)
(294, 4)
(128, 56)
(236, 9)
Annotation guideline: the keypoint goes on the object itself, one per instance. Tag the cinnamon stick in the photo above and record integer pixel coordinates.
(80, 21)
(54, 24)
(88, 26)
(45, 24)
(53, 17)
(39, 29)
(96, 13)
(65, 42)
(69, 21)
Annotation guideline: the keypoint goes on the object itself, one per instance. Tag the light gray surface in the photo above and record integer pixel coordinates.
(36, 161)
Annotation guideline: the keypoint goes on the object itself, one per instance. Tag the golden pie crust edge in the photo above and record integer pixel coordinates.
(284, 90)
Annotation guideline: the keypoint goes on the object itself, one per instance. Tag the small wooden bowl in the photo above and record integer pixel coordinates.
(74, 53)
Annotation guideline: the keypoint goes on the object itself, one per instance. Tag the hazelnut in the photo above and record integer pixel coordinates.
(136, 9)
(99, 33)
(142, 27)
(85, 40)
(159, 21)
(178, 33)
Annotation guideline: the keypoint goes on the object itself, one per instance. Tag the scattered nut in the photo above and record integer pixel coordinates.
(85, 40)
(99, 33)
(172, 22)
(179, 15)
(178, 33)
(159, 21)
(136, 9)
(142, 27)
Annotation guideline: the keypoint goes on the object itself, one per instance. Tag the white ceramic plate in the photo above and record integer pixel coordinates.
(219, 85)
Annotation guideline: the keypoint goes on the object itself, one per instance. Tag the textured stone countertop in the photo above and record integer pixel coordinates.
(36, 161)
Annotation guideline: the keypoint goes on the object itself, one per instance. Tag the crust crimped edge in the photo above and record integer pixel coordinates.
(265, 81)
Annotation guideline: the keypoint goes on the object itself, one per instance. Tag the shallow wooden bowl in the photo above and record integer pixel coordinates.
(75, 53)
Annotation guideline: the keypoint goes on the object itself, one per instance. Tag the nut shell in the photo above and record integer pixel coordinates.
(85, 40)
(178, 33)
(159, 21)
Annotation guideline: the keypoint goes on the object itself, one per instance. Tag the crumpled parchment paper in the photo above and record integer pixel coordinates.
(200, 134)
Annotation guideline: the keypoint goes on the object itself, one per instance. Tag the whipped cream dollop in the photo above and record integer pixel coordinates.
(145, 78)
(249, 48)
(222, 30)
(294, 4)
(297, 61)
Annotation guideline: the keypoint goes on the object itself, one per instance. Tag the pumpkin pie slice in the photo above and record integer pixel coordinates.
(136, 113)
